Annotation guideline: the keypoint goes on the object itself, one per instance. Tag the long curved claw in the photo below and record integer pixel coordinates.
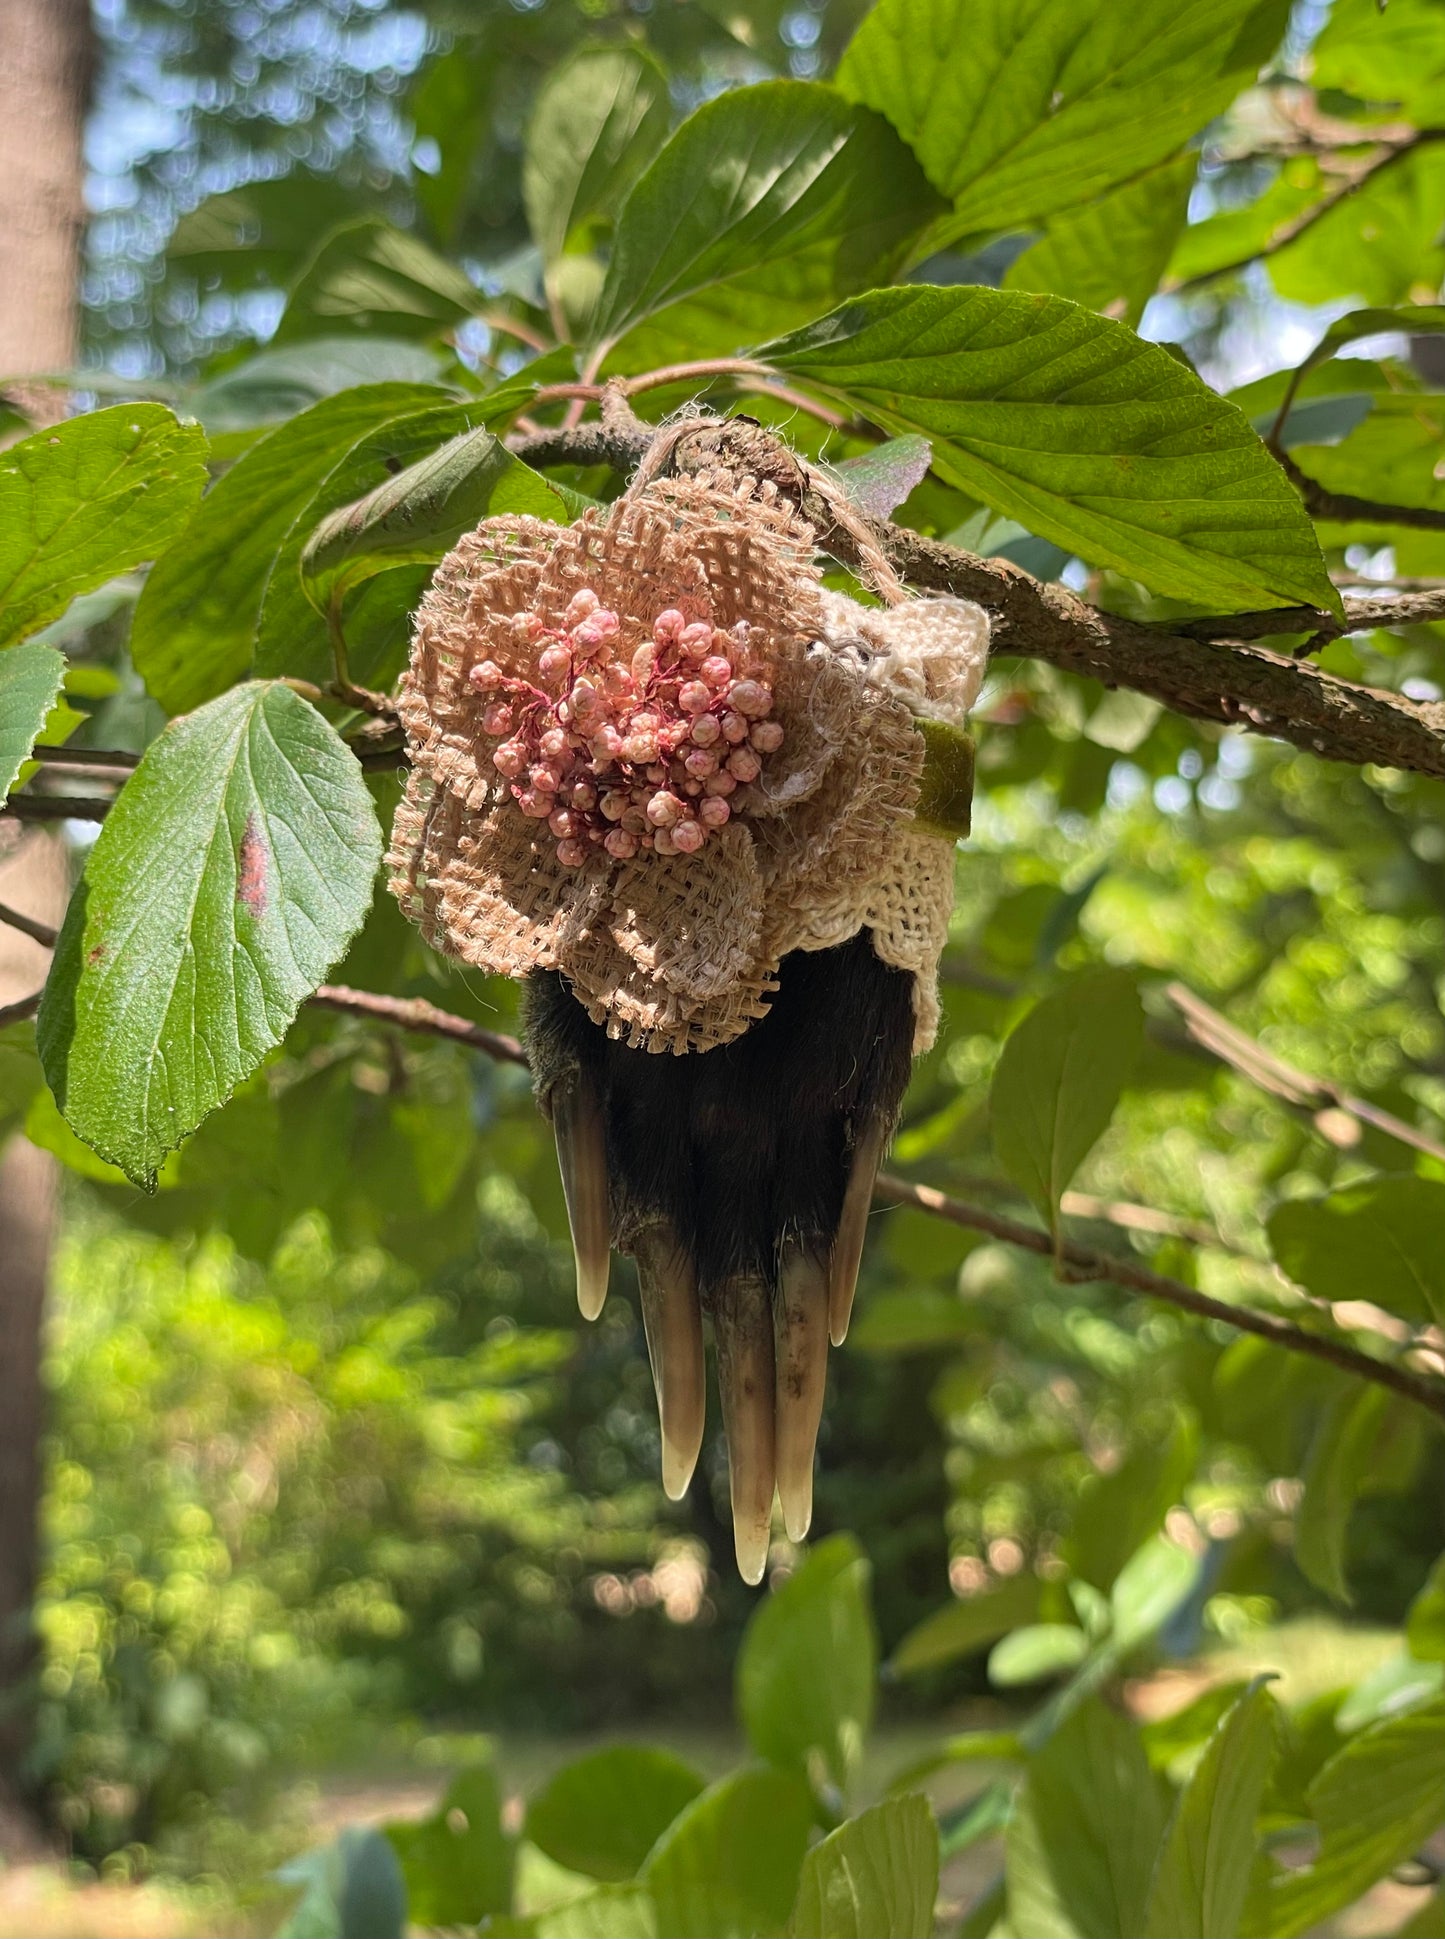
(800, 1318)
(582, 1159)
(673, 1325)
(847, 1255)
(743, 1330)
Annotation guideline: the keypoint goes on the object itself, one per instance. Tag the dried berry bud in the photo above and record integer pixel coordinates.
(766, 736)
(581, 606)
(713, 812)
(688, 837)
(486, 676)
(595, 630)
(735, 729)
(644, 665)
(546, 780)
(662, 842)
(742, 762)
(750, 697)
(510, 758)
(723, 783)
(614, 804)
(621, 845)
(716, 670)
(606, 743)
(554, 665)
(497, 719)
(706, 730)
(696, 640)
(535, 806)
(640, 748)
(701, 763)
(664, 809)
(563, 822)
(571, 854)
(694, 697)
(583, 796)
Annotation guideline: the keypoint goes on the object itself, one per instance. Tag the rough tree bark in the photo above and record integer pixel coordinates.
(45, 48)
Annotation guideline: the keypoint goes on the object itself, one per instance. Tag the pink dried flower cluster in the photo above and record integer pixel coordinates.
(628, 753)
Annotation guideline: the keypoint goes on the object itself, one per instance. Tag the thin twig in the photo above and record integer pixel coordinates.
(85, 757)
(1345, 508)
(38, 932)
(414, 1013)
(1362, 613)
(18, 1012)
(1109, 1266)
(58, 807)
(1297, 1088)
(1301, 224)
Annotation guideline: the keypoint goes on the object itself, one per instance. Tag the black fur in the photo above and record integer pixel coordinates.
(741, 1147)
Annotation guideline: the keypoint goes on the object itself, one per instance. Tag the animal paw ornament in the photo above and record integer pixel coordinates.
(705, 809)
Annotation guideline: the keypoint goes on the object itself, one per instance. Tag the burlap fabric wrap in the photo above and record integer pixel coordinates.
(681, 952)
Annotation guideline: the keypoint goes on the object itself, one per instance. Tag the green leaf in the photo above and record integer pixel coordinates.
(234, 869)
(1110, 254)
(603, 1813)
(195, 627)
(30, 679)
(1379, 1241)
(416, 516)
(962, 1628)
(1376, 1802)
(1381, 244)
(1202, 1878)
(1336, 1472)
(277, 384)
(88, 500)
(728, 1867)
(611, 1912)
(875, 1877)
(352, 1889)
(1060, 1075)
(600, 117)
(457, 1863)
(1036, 1652)
(1082, 432)
(1085, 1831)
(1017, 112)
(1425, 1620)
(1147, 1591)
(1413, 319)
(1387, 57)
(368, 275)
(879, 480)
(808, 1666)
(775, 199)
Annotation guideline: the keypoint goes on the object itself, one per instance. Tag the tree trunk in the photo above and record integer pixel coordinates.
(45, 48)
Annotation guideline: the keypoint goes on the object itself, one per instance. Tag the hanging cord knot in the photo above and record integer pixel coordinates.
(745, 449)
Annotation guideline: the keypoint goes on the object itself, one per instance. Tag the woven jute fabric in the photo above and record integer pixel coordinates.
(680, 952)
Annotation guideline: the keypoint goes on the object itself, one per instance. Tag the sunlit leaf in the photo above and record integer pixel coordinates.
(808, 1666)
(30, 680)
(1058, 1080)
(728, 1867)
(1202, 1878)
(1071, 424)
(1380, 1240)
(768, 203)
(88, 500)
(875, 1877)
(457, 1863)
(599, 118)
(232, 872)
(603, 1813)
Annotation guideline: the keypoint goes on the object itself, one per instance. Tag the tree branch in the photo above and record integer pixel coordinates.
(1425, 1392)
(58, 807)
(417, 1014)
(1297, 226)
(18, 1012)
(99, 758)
(1320, 502)
(1297, 1088)
(38, 932)
(1231, 686)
